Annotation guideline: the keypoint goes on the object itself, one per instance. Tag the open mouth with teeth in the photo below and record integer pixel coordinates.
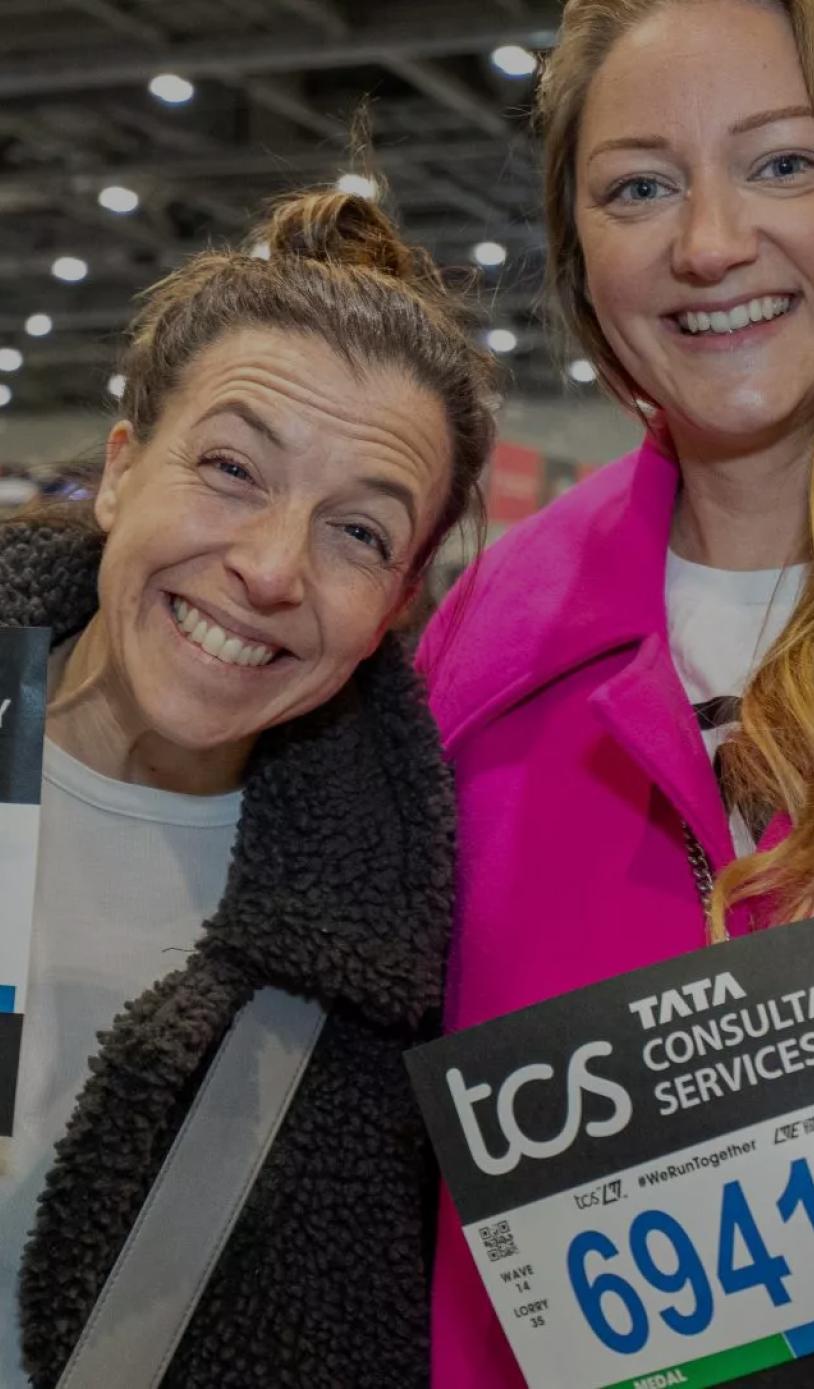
(227, 647)
(729, 321)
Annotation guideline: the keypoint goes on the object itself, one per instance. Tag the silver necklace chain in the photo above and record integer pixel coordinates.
(701, 872)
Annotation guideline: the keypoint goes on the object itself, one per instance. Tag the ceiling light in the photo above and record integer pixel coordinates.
(10, 359)
(38, 325)
(514, 61)
(261, 250)
(5, 395)
(69, 268)
(501, 340)
(171, 88)
(581, 370)
(357, 183)
(118, 199)
(489, 253)
(116, 385)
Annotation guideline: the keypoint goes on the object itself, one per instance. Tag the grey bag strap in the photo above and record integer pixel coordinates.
(182, 1228)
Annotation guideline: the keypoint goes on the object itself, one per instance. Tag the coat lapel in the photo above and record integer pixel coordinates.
(645, 708)
(586, 579)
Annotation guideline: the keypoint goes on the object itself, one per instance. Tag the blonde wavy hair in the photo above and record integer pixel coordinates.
(769, 765)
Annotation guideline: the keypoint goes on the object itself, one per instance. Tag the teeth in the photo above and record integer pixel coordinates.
(214, 639)
(229, 649)
(190, 622)
(731, 321)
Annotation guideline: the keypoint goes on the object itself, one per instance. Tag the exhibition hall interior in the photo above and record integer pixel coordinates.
(134, 132)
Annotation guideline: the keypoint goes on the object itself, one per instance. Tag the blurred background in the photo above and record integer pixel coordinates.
(133, 132)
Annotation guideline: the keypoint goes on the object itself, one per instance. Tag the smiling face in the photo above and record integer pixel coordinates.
(262, 539)
(695, 213)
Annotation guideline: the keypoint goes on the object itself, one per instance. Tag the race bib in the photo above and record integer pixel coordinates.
(633, 1165)
(23, 683)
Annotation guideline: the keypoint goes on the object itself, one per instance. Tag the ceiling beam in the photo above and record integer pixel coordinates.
(163, 132)
(253, 11)
(431, 79)
(110, 262)
(126, 24)
(82, 72)
(289, 166)
(320, 13)
(98, 320)
(116, 226)
(277, 96)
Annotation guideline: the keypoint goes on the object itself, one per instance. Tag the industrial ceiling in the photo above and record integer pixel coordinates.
(275, 84)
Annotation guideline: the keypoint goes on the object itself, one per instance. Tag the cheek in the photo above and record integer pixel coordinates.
(353, 622)
(615, 288)
(134, 559)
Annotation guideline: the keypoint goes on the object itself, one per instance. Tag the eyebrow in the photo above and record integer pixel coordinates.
(657, 142)
(388, 487)
(248, 416)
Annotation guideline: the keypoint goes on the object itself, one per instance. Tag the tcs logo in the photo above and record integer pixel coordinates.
(580, 1080)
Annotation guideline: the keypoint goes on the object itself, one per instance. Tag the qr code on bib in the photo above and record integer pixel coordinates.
(499, 1240)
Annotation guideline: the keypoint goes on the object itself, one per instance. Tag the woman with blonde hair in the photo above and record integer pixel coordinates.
(243, 804)
(627, 695)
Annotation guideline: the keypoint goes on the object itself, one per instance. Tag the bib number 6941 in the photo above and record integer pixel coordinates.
(667, 1259)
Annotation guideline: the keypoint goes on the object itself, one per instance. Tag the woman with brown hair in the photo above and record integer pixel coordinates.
(653, 627)
(242, 791)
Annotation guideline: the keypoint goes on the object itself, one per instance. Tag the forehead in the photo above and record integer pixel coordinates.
(696, 66)
(314, 395)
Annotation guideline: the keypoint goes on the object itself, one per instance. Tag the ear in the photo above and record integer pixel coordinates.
(120, 453)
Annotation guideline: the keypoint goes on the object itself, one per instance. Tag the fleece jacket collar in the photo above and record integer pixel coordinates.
(340, 881)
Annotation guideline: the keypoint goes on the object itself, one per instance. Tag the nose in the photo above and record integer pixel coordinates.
(270, 559)
(715, 234)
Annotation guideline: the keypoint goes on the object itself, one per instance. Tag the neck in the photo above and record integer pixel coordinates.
(90, 717)
(744, 508)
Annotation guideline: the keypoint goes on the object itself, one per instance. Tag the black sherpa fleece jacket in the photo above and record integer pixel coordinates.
(340, 888)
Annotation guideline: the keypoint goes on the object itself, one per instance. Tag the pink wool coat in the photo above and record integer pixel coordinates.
(577, 756)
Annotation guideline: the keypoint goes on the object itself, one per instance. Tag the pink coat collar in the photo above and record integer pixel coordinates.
(573, 582)
(581, 579)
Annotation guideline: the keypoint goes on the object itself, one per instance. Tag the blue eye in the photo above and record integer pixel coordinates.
(784, 167)
(639, 190)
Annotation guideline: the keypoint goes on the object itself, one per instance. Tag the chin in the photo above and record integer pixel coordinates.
(189, 726)
(743, 419)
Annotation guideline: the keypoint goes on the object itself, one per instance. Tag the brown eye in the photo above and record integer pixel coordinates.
(227, 467)
(368, 537)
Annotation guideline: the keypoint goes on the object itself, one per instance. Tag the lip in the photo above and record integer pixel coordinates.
(226, 669)
(213, 614)
(724, 305)
(730, 342)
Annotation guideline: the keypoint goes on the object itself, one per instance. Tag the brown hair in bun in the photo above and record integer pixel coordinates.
(339, 268)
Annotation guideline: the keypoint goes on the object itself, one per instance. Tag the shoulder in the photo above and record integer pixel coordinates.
(481, 648)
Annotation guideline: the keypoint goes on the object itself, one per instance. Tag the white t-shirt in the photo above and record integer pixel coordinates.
(721, 623)
(126, 875)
